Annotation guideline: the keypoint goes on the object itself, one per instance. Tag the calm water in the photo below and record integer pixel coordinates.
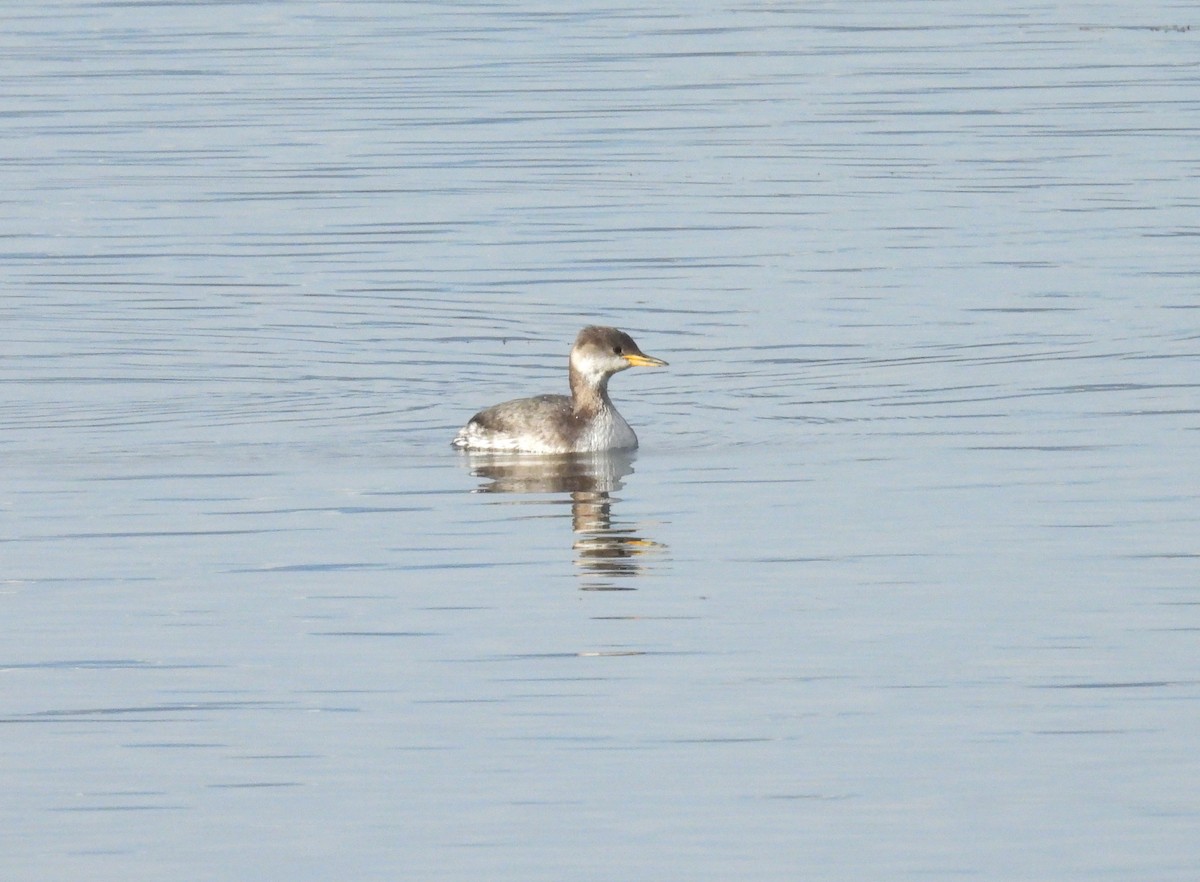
(904, 582)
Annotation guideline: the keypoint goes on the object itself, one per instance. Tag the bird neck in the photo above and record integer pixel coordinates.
(589, 393)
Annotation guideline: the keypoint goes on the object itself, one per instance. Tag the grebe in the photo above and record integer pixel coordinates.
(583, 422)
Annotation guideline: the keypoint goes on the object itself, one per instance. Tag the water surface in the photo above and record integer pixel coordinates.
(902, 583)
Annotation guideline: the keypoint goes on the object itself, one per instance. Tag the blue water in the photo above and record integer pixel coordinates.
(903, 582)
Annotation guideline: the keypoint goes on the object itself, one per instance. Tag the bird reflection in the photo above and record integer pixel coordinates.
(607, 551)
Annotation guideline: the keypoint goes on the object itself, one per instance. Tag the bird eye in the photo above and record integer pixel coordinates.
(617, 350)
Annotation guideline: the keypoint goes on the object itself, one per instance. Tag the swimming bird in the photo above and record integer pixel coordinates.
(583, 422)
